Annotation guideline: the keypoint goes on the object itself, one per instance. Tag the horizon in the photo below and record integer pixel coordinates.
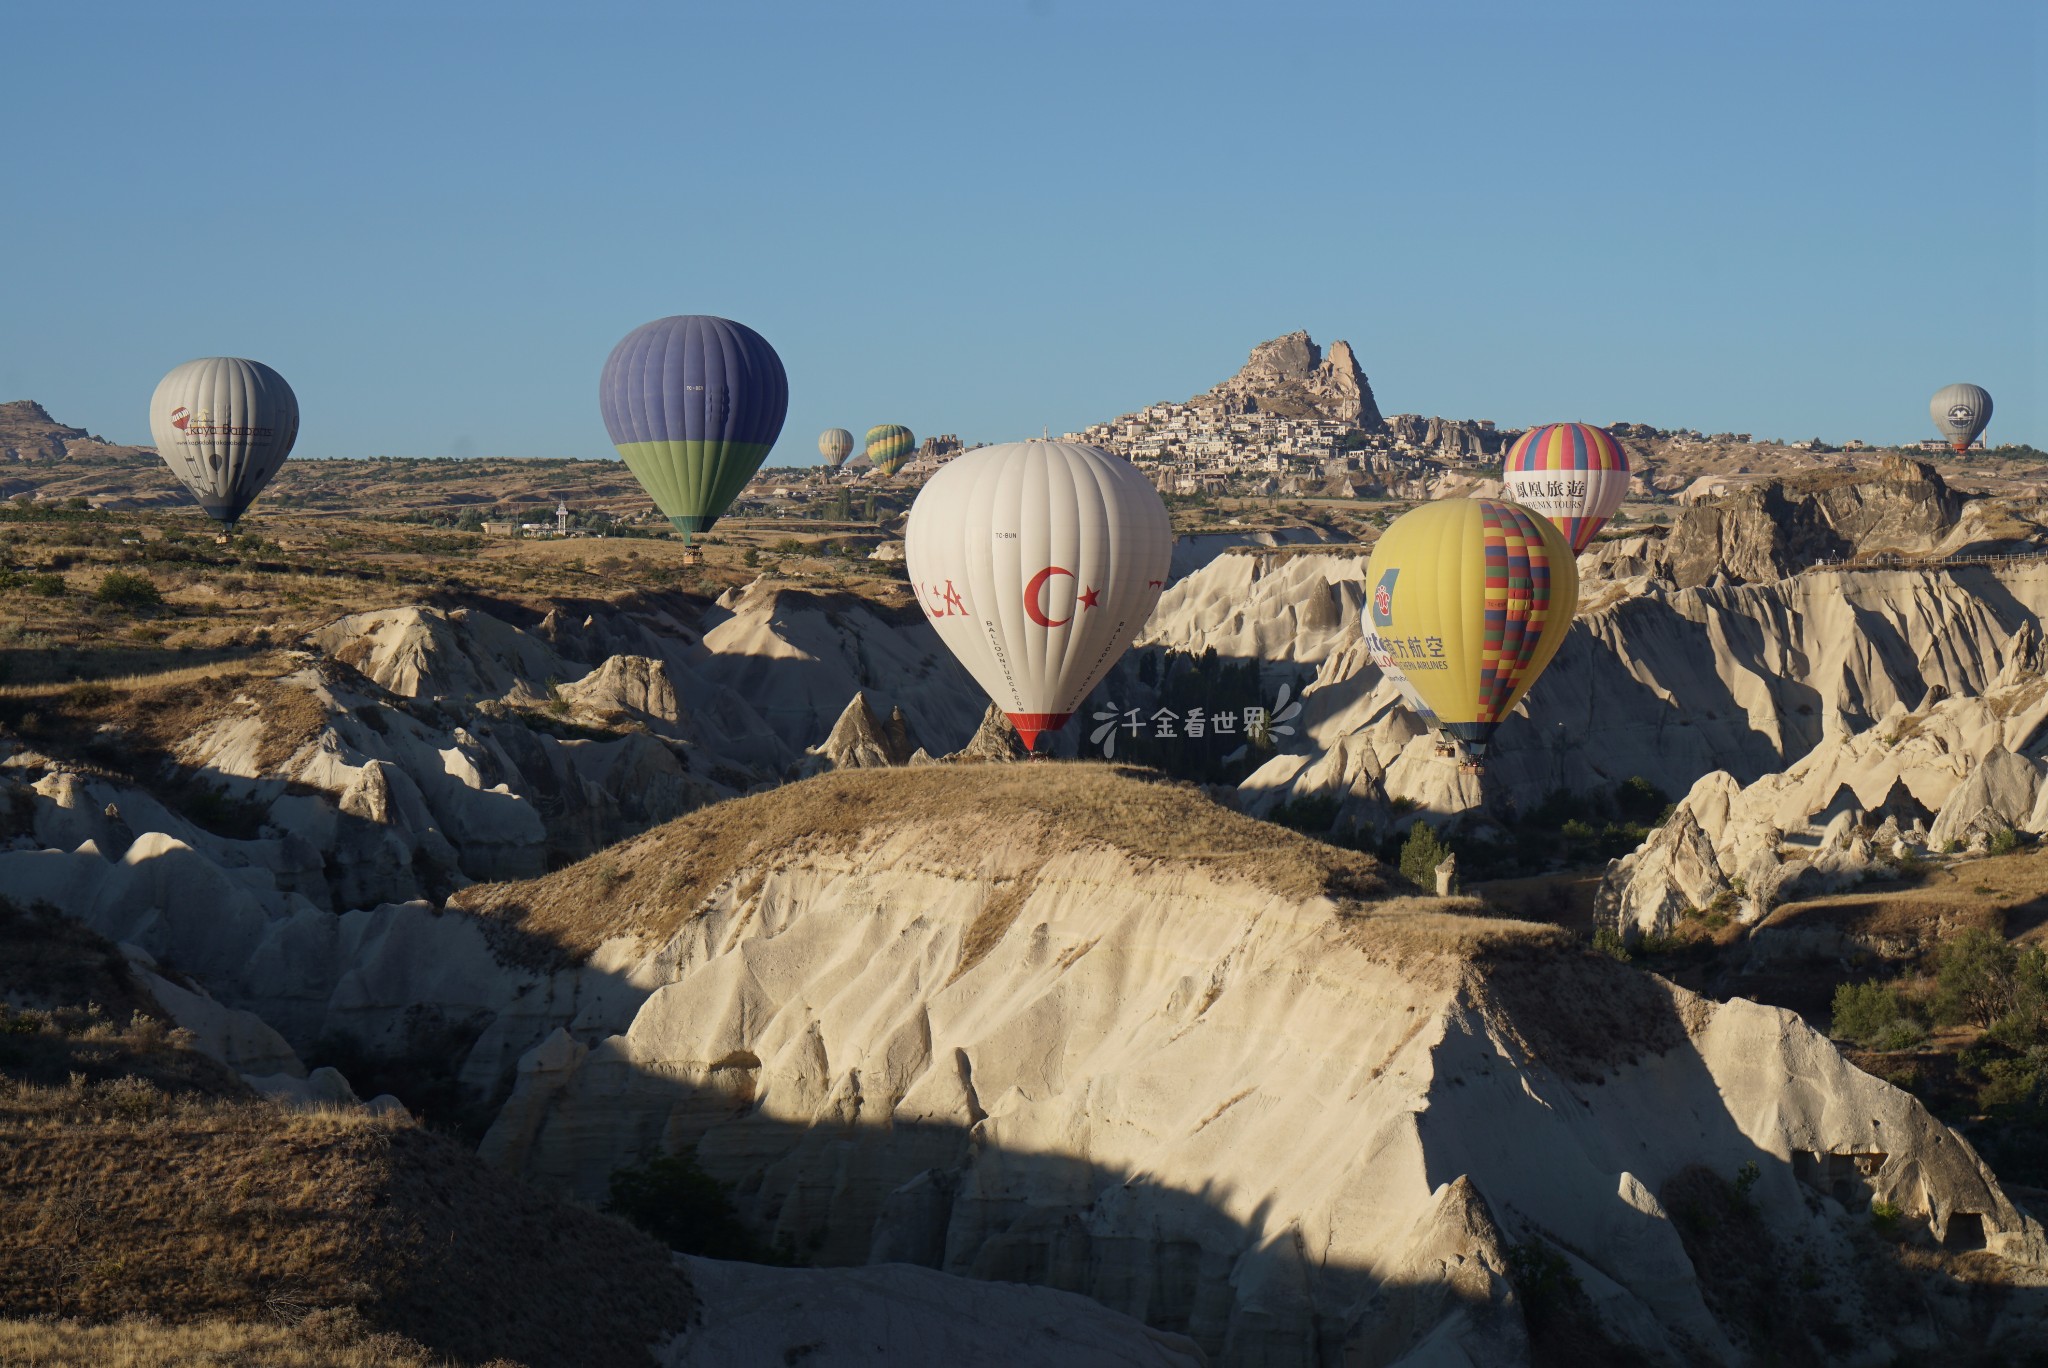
(456, 222)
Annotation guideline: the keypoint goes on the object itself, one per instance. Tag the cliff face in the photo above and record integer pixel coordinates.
(1764, 532)
(1667, 685)
(28, 433)
(1201, 1091)
(1290, 376)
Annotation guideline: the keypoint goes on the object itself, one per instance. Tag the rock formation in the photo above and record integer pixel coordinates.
(29, 434)
(994, 740)
(1460, 439)
(1670, 686)
(1292, 378)
(1229, 1093)
(1763, 532)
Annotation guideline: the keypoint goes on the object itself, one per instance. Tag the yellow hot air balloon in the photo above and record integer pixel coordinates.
(1471, 598)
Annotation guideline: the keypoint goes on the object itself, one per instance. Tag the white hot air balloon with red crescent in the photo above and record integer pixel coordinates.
(1037, 563)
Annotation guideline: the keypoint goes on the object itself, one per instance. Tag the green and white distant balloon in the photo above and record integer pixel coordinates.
(224, 425)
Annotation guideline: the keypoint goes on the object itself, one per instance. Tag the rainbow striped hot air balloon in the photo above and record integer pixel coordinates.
(1574, 474)
(889, 446)
(693, 404)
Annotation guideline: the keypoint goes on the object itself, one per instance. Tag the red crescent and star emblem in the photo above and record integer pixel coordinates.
(1034, 597)
(180, 416)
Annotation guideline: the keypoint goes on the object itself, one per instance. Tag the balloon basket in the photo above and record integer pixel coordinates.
(692, 556)
(1472, 767)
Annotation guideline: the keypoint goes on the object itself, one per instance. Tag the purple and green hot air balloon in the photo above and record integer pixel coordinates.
(693, 403)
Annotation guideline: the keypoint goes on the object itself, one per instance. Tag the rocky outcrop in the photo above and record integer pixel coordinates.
(860, 740)
(1459, 439)
(1949, 775)
(1268, 1120)
(1291, 377)
(29, 434)
(1761, 532)
(1669, 686)
(995, 740)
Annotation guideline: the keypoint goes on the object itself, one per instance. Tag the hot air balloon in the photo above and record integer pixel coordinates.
(1574, 474)
(224, 425)
(889, 446)
(1471, 598)
(835, 445)
(1961, 412)
(1037, 562)
(693, 404)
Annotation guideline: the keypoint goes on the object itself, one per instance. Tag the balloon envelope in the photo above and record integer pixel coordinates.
(1961, 412)
(1037, 563)
(1574, 474)
(889, 446)
(693, 403)
(224, 425)
(835, 445)
(1471, 598)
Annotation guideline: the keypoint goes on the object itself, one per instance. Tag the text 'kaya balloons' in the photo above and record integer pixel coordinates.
(1470, 598)
(1037, 563)
(693, 403)
(889, 446)
(224, 425)
(1574, 474)
(1961, 412)
(835, 445)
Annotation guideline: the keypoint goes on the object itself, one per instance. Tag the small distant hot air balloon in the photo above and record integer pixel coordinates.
(1037, 563)
(835, 445)
(224, 425)
(1574, 474)
(1471, 598)
(1961, 412)
(693, 404)
(889, 446)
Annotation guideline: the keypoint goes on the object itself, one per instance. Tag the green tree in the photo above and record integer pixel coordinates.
(1978, 979)
(124, 590)
(1875, 1016)
(1421, 853)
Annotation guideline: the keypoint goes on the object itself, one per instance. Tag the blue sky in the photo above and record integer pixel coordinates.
(1790, 219)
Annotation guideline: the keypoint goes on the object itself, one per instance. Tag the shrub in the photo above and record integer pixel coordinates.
(1609, 942)
(1885, 1215)
(124, 590)
(1421, 854)
(48, 586)
(685, 1208)
(1977, 980)
(2005, 842)
(1874, 1015)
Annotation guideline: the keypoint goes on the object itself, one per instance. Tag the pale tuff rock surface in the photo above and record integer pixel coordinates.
(1291, 377)
(995, 739)
(1194, 550)
(861, 740)
(1267, 1120)
(895, 1314)
(1952, 773)
(1668, 685)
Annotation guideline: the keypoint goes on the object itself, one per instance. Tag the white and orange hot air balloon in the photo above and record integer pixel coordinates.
(1037, 563)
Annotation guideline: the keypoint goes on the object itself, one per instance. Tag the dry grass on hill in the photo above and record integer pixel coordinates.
(652, 884)
(323, 1340)
(140, 1181)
